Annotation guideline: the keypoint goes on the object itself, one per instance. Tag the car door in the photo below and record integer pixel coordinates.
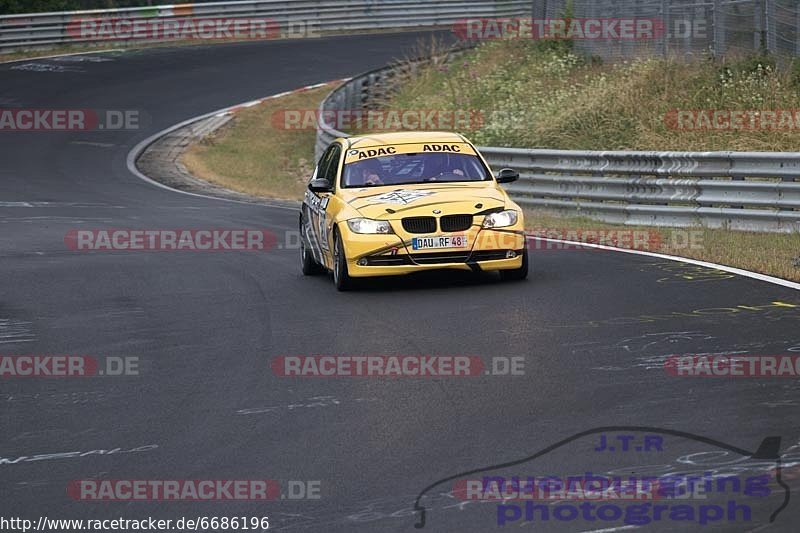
(315, 206)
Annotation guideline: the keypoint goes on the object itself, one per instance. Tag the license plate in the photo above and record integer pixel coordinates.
(439, 241)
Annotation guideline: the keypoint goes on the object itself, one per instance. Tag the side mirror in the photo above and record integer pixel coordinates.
(320, 185)
(507, 175)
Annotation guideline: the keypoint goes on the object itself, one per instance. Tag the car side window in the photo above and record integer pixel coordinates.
(333, 164)
(323, 164)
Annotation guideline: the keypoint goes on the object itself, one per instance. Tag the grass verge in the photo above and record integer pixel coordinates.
(251, 155)
(541, 95)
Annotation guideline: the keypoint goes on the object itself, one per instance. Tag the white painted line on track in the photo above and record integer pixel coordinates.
(142, 146)
(732, 270)
(61, 55)
(610, 529)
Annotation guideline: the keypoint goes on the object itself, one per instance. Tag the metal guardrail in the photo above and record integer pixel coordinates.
(739, 190)
(736, 190)
(353, 94)
(361, 92)
(51, 29)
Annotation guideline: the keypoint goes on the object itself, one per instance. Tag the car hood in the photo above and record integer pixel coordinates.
(394, 202)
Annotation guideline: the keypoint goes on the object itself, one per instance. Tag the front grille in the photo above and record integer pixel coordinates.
(452, 223)
(419, 224)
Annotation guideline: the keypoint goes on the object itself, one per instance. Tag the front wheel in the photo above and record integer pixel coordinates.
(517, 274)
(341, 276)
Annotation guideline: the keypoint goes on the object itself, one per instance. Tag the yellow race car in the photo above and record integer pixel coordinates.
(396, 203)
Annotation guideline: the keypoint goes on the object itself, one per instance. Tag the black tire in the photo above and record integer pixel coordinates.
(518, 274)
(309, 266)
(341, 277)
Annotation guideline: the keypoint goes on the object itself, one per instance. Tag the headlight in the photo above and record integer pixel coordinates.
(366, 225)
(500, 220)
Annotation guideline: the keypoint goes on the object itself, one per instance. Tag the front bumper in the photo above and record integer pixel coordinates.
(392, 255)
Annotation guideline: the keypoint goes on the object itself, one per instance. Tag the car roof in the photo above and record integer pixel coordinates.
(404, 137)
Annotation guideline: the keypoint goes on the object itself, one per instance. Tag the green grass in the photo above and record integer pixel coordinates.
(251, 155)
(536, 95)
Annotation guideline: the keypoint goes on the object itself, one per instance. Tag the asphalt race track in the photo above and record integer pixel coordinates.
(593, 327)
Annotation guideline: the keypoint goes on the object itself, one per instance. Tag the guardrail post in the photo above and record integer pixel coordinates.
(758, 26)
(688, 33)
(797, 30)
(770, 26)
(666, 30)
(718, 18)
(538, 9)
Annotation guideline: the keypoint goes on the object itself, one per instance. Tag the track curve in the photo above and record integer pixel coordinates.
(593, 327)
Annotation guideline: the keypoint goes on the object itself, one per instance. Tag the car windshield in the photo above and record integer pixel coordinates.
(404, 169)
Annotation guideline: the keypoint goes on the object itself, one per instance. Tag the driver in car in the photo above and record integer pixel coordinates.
(439, 165)
(370, 173)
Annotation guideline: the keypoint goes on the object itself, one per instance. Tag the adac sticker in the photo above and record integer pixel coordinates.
(454, 148)
(355, 155)
(372, 152)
